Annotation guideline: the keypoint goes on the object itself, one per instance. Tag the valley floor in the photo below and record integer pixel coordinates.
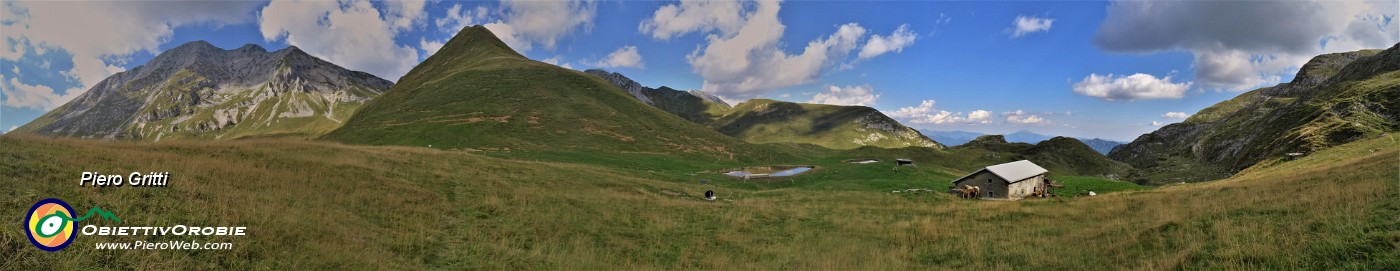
(316, 205)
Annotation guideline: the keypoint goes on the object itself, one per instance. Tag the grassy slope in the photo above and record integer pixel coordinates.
(686, 106)
(321, 205)
(831, 126)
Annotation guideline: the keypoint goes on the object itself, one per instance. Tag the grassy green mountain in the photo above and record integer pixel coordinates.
(831, 126)
(197, 90)
(1060, 155)
(1334, 99)
(477, 93)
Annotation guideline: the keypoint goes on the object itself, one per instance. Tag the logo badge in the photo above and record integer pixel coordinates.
(50, 224)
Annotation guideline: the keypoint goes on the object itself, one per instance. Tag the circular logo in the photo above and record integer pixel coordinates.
(50, 224)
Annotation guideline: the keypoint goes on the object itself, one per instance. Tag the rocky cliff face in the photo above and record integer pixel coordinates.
(197, 90)
(1334, 99)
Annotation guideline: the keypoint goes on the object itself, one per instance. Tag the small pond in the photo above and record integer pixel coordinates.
(770, 171)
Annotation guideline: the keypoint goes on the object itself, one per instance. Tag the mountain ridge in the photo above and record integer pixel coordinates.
(772, 121)
(197, 90)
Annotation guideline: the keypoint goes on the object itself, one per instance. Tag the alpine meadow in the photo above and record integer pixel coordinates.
(700, 135)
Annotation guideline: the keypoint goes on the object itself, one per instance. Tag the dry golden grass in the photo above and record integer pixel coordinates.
(319, 205)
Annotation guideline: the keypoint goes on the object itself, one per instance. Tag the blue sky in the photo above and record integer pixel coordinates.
(1110, 70)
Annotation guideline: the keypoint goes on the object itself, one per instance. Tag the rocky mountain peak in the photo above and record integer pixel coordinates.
(251, 48)
(198, 90)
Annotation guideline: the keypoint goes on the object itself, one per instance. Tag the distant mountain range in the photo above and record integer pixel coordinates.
(197, 90)
(770, 121)
(954, 138)
(1062, 155)
(1334, 99)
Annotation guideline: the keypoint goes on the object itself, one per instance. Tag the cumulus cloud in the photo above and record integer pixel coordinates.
(863, 95)
(625, 57)
(925, 113)
(405, 14)
(1240, 45)
(556, 60)
(101, 36)
(354, 35)
(1175, 115)
(526, 23)
(742, 55)
(747, 61)
(1158, 123)
(20, 95)
(12, 128)
(895, 42)
(1133, 87)
(1029, 24)
(1021, 117)
(725, 17)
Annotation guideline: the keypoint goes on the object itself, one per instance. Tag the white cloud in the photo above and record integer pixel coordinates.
(405, 14)
(625, 57)
(878, 45)
(925, 113)
(1029, 24)
(458, 18)
(12, 128)
(850, 95)
(1241, 45)
(353, 35)
(749, 62)
(100, 36)
(742, 55)
(555, 61)
(529, 22)
(726, 17)
(1133, 87)
(429, 47)
(1175, 115)
(1157, 123)
(20, 95)
(979, 116)
(1021, 117)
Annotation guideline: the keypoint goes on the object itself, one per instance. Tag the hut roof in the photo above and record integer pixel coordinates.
(1011, 172)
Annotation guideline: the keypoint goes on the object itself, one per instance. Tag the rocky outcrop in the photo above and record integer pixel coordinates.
(1334, 99)
(201, 91)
